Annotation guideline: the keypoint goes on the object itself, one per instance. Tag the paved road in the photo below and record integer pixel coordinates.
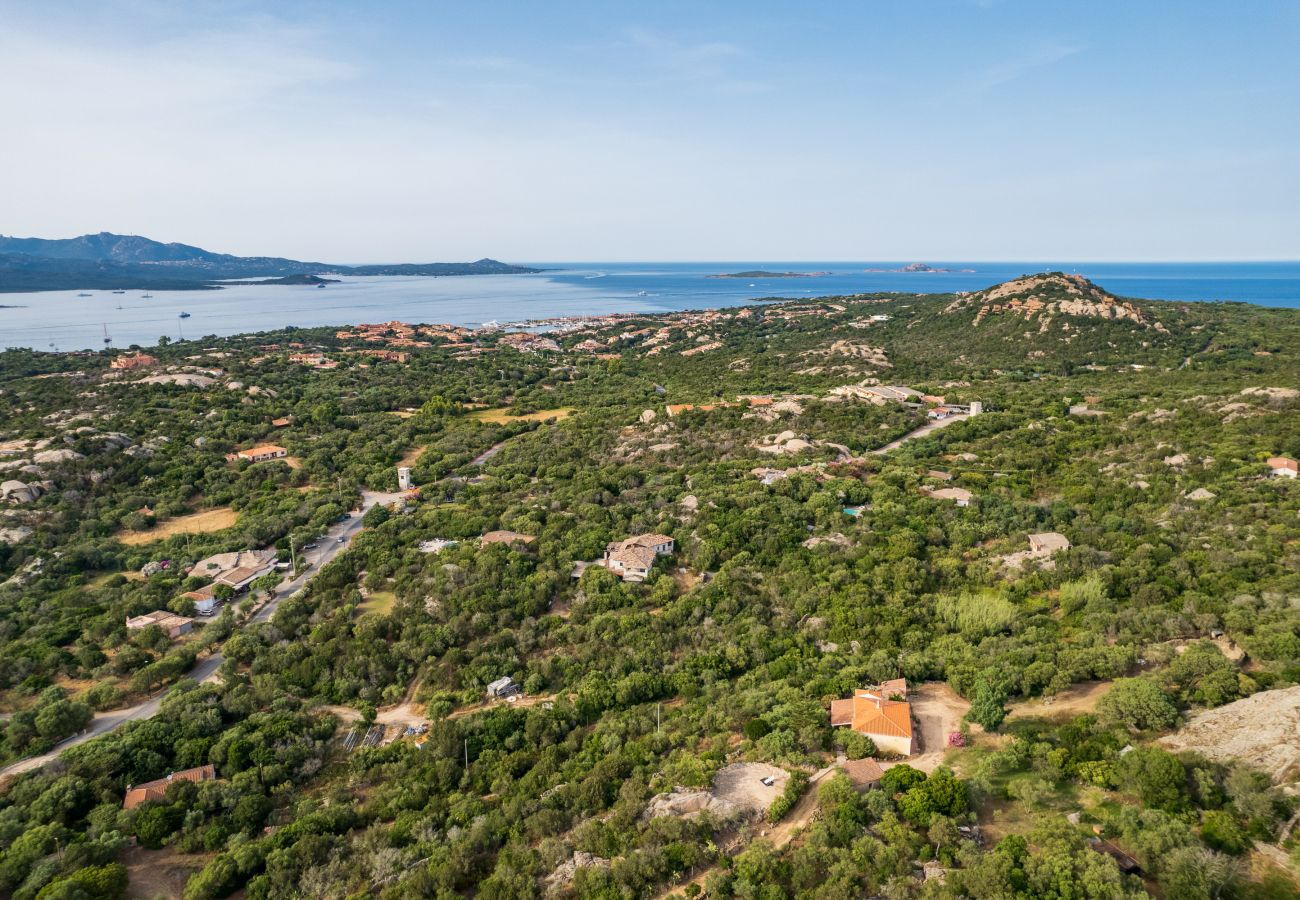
(207, 667)
(921, 432)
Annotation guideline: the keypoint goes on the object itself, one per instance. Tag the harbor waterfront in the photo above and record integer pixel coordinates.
(80, 319)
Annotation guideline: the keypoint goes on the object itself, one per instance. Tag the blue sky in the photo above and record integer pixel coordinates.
(606, 131)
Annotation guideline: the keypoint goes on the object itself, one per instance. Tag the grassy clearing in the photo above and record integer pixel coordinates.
(380, 602)
(198, 523)
(499, 416)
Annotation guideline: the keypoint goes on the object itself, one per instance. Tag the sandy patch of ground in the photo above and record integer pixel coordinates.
(160, 873)
(937, 711)
(1262, 730)
(1227, 646)
(410, 457)
(197, 523)
(1076, 700)
(292, 462)
(686, 579)
(403, 413)
(738, 789)
(741, 784)
(500, 415)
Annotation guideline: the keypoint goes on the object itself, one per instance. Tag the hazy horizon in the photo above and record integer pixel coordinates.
(970, 130)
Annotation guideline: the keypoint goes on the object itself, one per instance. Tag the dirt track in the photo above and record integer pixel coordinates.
(1076, 700)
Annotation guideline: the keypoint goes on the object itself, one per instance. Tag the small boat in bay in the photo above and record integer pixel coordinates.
(183, 315)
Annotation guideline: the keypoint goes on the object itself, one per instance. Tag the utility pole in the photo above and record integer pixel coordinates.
(293, 557)
(466, 754)
(657, 706)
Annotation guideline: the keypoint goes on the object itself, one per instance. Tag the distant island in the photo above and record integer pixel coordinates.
(763, 273)
(293, 279)
(108, 261)
(919, 267)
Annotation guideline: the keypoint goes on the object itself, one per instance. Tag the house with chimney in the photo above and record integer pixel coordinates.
(882, 713)
(632, 559)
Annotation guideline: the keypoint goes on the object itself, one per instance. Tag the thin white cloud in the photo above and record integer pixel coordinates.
(1012, 69)
(703, 63)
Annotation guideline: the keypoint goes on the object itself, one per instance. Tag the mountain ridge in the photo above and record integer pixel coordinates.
(108, 260)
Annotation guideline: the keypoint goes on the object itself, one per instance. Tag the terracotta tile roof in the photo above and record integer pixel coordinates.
(885, 717)
(648, 540)
(633, 557)
(841, 712)
(893, 687)
(862, 772)
(156, 790)
(262, 450)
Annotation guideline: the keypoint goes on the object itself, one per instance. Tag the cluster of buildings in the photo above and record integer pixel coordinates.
(129, 362)
(528, 342)
(313, 360)
(235, 571)
(401, 334)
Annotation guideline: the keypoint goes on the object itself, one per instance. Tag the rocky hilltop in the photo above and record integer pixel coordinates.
(1051, 294)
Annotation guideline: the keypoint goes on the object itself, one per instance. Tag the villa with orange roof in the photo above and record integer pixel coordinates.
(881, 713)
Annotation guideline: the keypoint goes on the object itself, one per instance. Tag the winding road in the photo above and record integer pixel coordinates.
(207, 667)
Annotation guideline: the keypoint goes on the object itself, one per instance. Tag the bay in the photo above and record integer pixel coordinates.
(64, 320)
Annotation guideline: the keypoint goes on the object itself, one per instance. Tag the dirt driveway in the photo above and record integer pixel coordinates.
(937, 710)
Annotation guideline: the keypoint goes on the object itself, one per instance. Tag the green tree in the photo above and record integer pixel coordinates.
(1138, 704)
(1156, 776)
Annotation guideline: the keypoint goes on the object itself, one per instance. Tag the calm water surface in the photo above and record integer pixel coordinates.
(64, 320)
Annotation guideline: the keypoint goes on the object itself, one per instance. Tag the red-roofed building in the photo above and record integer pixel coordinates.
(872, 712)
(152, 791)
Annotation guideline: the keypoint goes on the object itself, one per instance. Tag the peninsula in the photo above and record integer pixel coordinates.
(108, 261)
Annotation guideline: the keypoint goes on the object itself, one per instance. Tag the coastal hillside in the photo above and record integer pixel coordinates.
(107, 260)
(827, 597)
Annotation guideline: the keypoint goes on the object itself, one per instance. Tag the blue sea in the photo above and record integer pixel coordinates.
(66, 321)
